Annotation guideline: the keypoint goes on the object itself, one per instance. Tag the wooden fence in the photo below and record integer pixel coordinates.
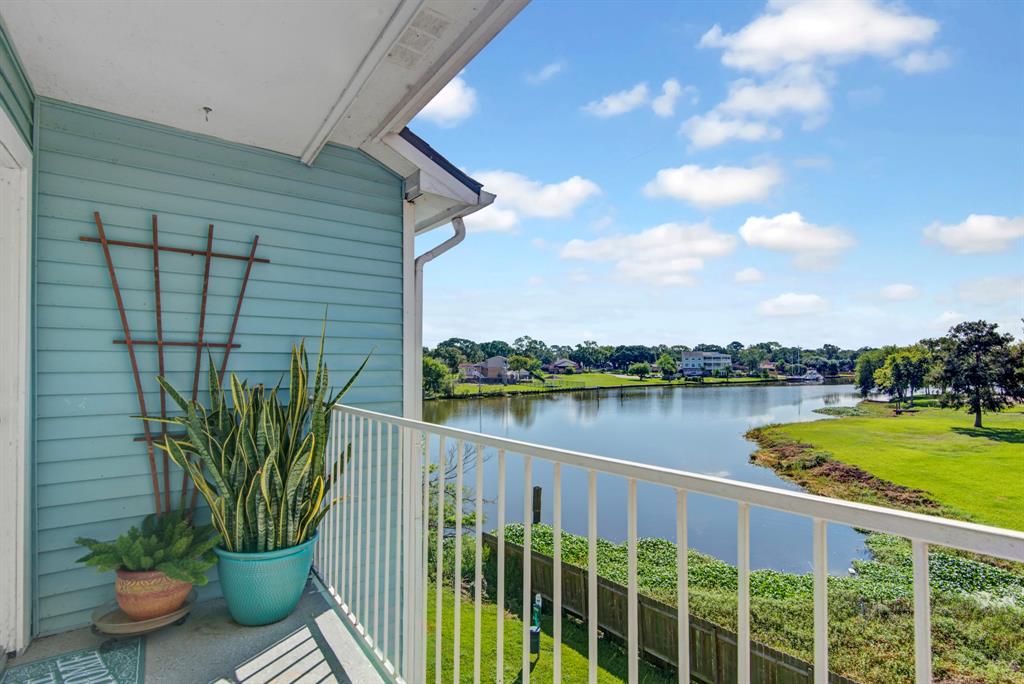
(712, 648)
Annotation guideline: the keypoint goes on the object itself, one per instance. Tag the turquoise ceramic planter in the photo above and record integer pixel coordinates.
(261, 588)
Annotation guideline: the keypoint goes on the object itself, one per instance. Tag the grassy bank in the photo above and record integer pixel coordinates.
(977, 612)
(612, 661)
(587, 381)
(932, 461)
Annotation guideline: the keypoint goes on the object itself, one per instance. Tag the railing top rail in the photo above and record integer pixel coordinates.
(993, 541)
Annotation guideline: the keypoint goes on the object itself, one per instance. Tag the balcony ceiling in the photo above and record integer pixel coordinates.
(286, 77)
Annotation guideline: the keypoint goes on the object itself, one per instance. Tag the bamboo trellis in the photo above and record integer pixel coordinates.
(162, 496)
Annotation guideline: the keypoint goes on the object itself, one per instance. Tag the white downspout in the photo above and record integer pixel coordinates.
(422, 260)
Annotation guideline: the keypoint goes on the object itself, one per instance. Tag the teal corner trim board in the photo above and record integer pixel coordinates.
(332, 232)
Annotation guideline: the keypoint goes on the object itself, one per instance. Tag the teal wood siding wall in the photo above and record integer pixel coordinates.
(332, 233)
(16, 96)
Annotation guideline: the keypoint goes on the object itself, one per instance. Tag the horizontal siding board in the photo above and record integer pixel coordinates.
(113, 359)
(229, 226)
(57, 300)
(57, 117)
(332, 233)
(335, 187)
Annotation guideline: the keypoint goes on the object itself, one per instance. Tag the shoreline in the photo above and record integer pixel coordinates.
(697, 385)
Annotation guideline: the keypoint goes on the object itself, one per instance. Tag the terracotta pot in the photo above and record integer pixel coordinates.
(150, 594)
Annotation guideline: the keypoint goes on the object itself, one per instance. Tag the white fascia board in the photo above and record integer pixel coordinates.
(460, 211)
(433, 178)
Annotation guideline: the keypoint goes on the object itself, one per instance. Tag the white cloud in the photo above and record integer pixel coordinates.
(748, 275)
(671, 90)
(618, 103)
(519, 197)
(813, 246)
(450, 107)
(535, 281)
(806, 31)
(813, 163)
(993, 290)
(797, 89)
(922, 61)
(712, 129)
(664, 255)
(792, 304)
(546, 73)
(899, 292)
(579, 276)
(714, 187)
(539, 243)
(978, 233)
(603, 223)
(492, 219)
(948, 319)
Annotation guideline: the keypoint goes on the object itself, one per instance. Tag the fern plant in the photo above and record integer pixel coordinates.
(168, 543)
(260, 464)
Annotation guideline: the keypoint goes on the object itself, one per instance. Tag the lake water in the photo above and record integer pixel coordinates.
(696, 429)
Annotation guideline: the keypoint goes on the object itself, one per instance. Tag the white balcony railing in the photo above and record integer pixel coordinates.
(372, 553)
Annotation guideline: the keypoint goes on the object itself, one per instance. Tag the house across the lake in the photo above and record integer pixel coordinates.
(494, 370)
(697, 363)
(562, 366)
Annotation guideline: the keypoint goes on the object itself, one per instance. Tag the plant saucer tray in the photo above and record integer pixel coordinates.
(110, 619)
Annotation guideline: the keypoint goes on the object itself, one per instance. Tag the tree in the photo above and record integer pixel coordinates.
(641, 370)
(437, 381)
(668, 365)
(450, 356)
(867, 363)
(496, 348)
(468, 348)
(978, 369)
(589, 354)
(520, 362)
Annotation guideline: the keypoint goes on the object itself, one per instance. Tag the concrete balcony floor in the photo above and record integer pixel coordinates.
(313, 644)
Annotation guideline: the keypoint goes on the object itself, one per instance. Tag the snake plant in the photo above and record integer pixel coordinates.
(260, 464)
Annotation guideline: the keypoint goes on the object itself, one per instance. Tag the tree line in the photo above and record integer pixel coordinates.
(973, 366)
(441, 363)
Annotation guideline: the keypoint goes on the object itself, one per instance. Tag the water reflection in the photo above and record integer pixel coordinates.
(698, 429)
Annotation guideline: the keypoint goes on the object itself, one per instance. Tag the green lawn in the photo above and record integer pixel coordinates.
(979, 472)
(612, 662)
(585, 381)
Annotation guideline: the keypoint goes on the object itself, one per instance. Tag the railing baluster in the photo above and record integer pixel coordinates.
(820, 553)
(527, 561)
(376, 537)
(743, 595)
(364, 606)
(358, 503)
(332, 460)
(682, 590)
(592, 578)
(499, 675)
(339, 489)
(442, 466)
(387, 539)
(457, 579)
(633, 623)
(478, 570)
(556, 520)
(922, 614)
(423, 548)
(347, 512)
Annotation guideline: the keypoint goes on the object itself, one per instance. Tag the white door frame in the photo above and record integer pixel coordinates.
(15, 340)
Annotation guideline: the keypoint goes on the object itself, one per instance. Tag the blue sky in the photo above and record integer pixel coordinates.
(684, 172)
